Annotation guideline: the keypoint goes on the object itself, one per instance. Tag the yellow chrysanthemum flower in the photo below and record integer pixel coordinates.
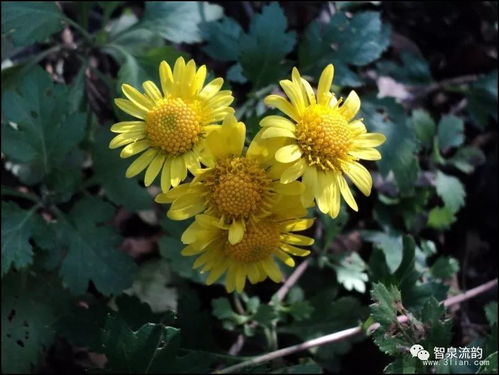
(324, 143)
(234, 188)
(253, 258)
(173, 123)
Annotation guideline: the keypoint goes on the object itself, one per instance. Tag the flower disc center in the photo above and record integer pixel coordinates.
(237, 187)
(173, 126)
(259, 241)
(324, 137)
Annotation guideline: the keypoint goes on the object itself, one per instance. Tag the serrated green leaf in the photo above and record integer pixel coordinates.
(414, 69)
(385, 299)
(441, 218)
(491, 366)
(450, 132)
(482, 100)
(451, 190)
(265, 315)
(390, 243)
(92, 251)
(109, 171)
(432, 311)
(178, 21)
(222, 308)
(399, 152)
(358, 41)
(350, 272)
(491, 313)
(424, 127)
(31, 309)
(39, 110)
(17, 229)
(265, 46)
(235, 74)
(300, 310)
(466, 159)
(29, 22)
(222, 39)
(444, 267)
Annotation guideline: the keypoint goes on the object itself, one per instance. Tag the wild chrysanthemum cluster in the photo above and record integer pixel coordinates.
(247, 202)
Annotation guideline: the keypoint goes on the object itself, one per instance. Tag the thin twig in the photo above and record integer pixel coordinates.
(442, 84)
(341, 335)
(292, 279)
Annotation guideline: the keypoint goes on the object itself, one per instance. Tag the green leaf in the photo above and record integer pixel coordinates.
(491, 367)
(170, 248)
(384, 310)
(414, 69)
(29, 22)
(109, 172)
(399, 152)
(223, 310)
(300, 310)
(263, 49)
(451, 190)
(222, 39)
(444, 267)
(358, 41)
(235, 74)
(467, 158)
(265, 315)
(424, 127)
(309, 367)
(390, 243)
(31, 309)
(482, 100)
(402, 365)
(350, 272)
(92, 251)
(143, 351)
(491, 313)
(17, 228)
(178, 21)
(39, 110)
(450, 132)
(441, 218)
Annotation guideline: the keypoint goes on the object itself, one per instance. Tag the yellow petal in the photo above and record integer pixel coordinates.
(351, 106)
(227, 140)
(230, 279)
(274, 132)
(311, 183)
(293, 250)
(236, 232)
(166, 78)
(211, 89)
(325, 81)
(278, 122)
(152, 90)
(335, 200)
(161, 198)
(346, 192)
(128, 126)
(292, 188)
(177, 192)
(297, 239)
(186, 206)
(365, 153)
(285, 258)
(288, 154)
(360, 176)
(323, 195)
(298, 224)
(166, 176)
(190, 250)
(178, 73)
(294, 172)
(154, 168)
(140, 100)
(309, 91)
(141, 162)
(369, 140)
(125, 138)
(199, 79)
(130, 108)
(283, 105)
(240, 277)
(217, 271)
(253, 274)
(134, 148)
(178, 171)
(294, 94)
(272, 270)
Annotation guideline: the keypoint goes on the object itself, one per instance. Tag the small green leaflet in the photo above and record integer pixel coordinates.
(222, 39)
(30, 21)
(17, 228)
(178, 21)
(92, 251)
(450, 132)
(264, 47)
(451, 190)
(384, 309)
(424, 127)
